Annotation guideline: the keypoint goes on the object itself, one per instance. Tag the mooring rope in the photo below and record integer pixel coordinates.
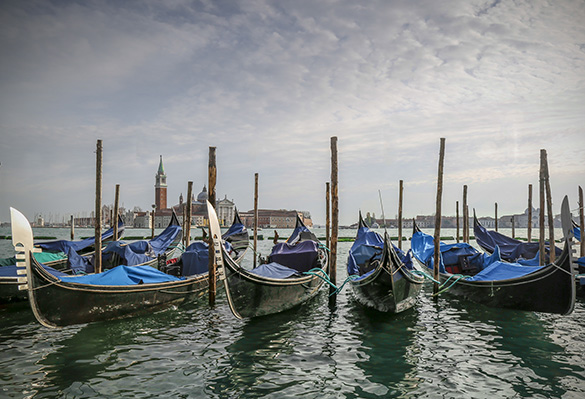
(320, 273)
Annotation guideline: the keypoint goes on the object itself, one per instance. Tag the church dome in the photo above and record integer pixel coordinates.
(202, 196)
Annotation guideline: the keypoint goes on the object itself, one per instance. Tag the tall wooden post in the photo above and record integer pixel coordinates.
(327, 215)
(437, 237)
(152, 219)
(334, 218)
(211, 197)
(72, 228)
(116, 211)
(457, 218)
(188, 215)
(513, 227)
(541, 245)
(255, 217)
(529, 233)
(581, 223)
(98, 208)
(551, 224)
(496, 216)
(465, 221)
(400, 196)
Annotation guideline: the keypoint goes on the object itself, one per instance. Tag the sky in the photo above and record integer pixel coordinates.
(268, 83)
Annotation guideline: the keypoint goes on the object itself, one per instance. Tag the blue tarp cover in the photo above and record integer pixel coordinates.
(274, 270)
(301, 256)
(140, 252)
(367, 245)
(195, 259)
(124, 275)
(511, 249)
(65, 245)
(491, 266)
(296, 232)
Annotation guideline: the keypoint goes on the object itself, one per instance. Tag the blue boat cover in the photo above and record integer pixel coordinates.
(301, 256)
(195, 259)
(491, 265)
(502, 271)
(139, 252)
(511, 249)
(368, 245)
(294, 236)
(274, 270)
(235, 229)
(65, 245)
(577, 233)
(124, 275)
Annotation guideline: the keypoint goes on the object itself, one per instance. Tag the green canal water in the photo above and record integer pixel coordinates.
(446, 349)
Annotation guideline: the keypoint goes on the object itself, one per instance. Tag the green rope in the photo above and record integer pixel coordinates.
(442, 285)
(323, 276)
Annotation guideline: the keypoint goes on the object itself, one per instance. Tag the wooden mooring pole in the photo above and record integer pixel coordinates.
(116, 211)
(513, 227)
(327, 216)
(551, 224)
(496, 216)
(400, 196)
(189, 210)
(541, 247)
(465, 216)
(581, 223)
(98, 208)
(255, 218)
(457, 218)
(437, 237)
(334, 220)
(72, 228)
(529, 232)
(211, 197)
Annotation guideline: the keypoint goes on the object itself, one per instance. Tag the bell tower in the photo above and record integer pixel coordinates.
(160, 187)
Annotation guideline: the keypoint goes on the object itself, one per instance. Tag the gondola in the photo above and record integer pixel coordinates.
(383, 277)
(511, 249)
(289, 279)
(195, 259)
(59, 257)
(466, 272)
(121, 292)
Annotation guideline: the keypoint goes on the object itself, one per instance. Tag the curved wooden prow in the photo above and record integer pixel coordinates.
(23, 241)
(237, 219)
(415, 228)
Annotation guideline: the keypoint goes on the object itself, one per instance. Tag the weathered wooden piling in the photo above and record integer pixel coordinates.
(549, 211)
(529, 232)
(327, 215)
(465, 215)
(255, 217)
(211, 196)
(152, 217)
(437, 237)
(457, 218)
(512, 220)
(334, 219)
(581, 223)
(188, 216)
(72, 228)
(541, 246)
(496, 216)
(116, 211)
(400, 196)
(98, 208)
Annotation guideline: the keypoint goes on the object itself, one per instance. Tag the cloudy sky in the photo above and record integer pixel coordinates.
(270, 82)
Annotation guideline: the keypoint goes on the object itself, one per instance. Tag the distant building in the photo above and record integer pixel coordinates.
(276, 219)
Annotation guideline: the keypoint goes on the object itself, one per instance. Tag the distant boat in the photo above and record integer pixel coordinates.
(484, 279)
(281, 284)
(384, 273)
